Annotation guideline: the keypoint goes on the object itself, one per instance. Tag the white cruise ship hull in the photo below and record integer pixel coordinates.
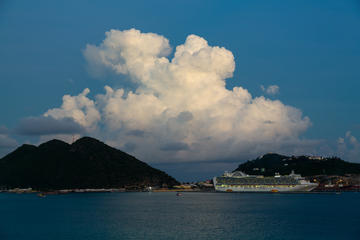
(264, 188)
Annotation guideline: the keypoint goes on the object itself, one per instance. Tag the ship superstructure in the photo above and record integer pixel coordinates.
(240, 182)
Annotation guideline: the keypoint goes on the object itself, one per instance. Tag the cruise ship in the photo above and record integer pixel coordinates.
(240, 182)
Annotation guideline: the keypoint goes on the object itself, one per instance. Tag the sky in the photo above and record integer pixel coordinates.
(191, 87)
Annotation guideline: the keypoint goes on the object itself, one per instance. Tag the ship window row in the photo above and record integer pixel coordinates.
(257, 181)
(256, 186)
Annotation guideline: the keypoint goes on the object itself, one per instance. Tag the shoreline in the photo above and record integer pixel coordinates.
(122, 190)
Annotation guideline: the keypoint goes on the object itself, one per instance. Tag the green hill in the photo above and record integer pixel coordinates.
(87, 163)
(271, 163)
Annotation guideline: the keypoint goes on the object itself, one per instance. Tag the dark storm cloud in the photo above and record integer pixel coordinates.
(34, 126)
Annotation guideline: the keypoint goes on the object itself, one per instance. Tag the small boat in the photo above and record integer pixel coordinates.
(41, 195)
(178, 194)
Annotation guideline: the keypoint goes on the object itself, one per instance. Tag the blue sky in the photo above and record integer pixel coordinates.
(310, 49)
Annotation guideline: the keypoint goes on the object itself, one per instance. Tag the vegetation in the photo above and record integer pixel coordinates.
(87, 163)
(271, 163)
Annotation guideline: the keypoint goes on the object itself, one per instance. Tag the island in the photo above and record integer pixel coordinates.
(85, 164)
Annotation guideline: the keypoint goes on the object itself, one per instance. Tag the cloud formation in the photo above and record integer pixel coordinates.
(270, 90)
(3, 130)
(6, 142)
(349, 147)
(47, 125)
(180, 109)
(79, 108)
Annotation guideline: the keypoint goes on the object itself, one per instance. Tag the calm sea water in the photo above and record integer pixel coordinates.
(191, 216)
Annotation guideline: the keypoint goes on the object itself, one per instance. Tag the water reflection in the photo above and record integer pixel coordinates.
(191, 216)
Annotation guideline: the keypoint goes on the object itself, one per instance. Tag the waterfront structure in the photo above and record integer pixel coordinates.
(240, 182)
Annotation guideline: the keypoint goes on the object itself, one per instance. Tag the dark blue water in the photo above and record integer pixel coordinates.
(191, 216)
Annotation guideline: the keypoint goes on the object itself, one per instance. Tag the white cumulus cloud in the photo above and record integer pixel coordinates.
(79, 108)
(180, 109)
(349, 147)
(270, 90)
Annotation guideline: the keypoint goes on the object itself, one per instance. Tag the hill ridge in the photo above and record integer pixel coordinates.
(270, 163)
(86, 163)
